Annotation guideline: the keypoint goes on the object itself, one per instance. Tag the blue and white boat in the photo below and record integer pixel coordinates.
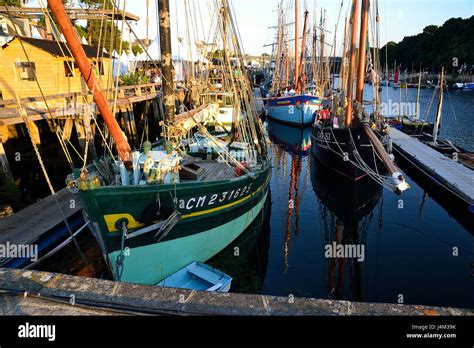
(295, 110)
(468, 87)
(198, 276)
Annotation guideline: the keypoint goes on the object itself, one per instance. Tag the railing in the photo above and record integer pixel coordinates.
(151, 89)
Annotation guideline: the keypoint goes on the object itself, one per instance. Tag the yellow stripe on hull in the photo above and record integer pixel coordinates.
(111, 219)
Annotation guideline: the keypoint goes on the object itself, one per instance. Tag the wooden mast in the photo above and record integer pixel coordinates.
(277, 81)
(364, 27)
(166, 60)
(352, 61)
(400, 183)
(418, 96)
(440, 108)
(74, 44)
(300, 84)
(295, 79)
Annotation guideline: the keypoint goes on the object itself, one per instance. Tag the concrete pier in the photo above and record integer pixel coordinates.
(40, 293)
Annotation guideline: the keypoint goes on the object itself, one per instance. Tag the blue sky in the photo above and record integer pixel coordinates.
(399, 18)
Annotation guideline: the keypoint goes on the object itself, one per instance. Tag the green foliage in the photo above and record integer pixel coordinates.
(110, 37)
(96, 4)
(10, 3)
(134, 78)
(435, 46)
(137, 49)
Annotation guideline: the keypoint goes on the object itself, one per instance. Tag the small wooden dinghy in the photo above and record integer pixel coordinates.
(198, 276)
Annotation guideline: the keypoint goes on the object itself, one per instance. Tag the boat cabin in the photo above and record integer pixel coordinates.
(224, 99)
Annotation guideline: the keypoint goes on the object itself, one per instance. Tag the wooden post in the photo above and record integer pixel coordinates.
(35, 135)
(67, 129)
(6, 175)
(133, 124)
(156, 110)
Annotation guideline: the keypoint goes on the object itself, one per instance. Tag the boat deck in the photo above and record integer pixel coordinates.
(457, 178)
(216, 171)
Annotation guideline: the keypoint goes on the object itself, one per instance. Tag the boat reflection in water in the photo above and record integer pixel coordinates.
(347, 211)
(246, 258)
(296, 142)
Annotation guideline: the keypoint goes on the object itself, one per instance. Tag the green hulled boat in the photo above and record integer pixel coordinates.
(210, 215)
(156, 210)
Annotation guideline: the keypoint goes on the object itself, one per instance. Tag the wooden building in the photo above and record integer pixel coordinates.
(52, 65)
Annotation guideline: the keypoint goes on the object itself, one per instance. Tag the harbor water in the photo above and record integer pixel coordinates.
(412, 249)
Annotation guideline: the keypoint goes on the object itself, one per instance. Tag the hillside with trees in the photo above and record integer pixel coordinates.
(434, 47)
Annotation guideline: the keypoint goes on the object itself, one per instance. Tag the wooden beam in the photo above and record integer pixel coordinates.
(73, 13)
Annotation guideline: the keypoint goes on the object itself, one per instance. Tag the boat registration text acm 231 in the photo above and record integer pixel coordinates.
(210, 200)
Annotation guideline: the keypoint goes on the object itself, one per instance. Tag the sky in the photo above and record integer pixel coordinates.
(399, 18)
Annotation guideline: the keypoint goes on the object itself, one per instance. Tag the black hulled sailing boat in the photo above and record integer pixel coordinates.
(349, 141)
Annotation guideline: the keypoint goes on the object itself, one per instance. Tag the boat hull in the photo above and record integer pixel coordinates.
(151, 263)
(212, 214)
(335, 149)
(296, 110)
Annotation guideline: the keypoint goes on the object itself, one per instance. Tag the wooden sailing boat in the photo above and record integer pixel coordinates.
(352, 148)
(289, 103)
(157, 210)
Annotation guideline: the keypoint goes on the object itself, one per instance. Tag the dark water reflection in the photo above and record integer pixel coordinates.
(408, 251)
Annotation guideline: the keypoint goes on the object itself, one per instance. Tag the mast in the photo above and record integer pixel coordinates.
(397, 177)
(418, 96)
(166, 59)
(322, 55)
(296, 42)
(74, 44)
(352, 61)
(440, 108)
(277, 80)
(364, 26)
(287, 65)
(300, 85)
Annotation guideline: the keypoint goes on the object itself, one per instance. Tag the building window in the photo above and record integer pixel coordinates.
(26, 70)
(69, 69)
(99, 67)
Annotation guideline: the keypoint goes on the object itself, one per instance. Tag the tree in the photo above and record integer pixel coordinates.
(435, 46)
(10, 3)
(137, 49)
(106, 31)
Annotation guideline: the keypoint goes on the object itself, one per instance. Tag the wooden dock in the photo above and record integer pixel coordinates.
(34, 224)
(36, 109)
(50, 294)
(452, 175)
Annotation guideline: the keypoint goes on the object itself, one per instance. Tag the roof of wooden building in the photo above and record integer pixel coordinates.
(58, 49)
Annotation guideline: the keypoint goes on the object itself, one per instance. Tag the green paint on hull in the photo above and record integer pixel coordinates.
(152, 263)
